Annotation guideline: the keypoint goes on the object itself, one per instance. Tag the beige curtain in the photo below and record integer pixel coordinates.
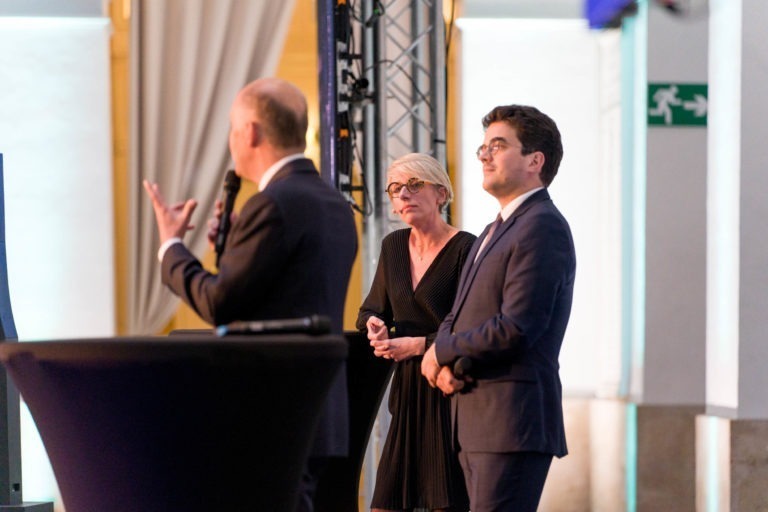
(189, 59)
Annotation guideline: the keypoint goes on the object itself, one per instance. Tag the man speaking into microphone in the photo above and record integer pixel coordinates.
(289, 252)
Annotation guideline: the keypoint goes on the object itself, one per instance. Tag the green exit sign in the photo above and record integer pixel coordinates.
(677, 104)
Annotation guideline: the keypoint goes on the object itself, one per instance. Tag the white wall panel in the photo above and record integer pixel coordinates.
(554, 66)
(56, 140)
(55, 137)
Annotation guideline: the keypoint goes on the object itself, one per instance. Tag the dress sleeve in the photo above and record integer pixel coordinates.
(377, 302)
(429, 339)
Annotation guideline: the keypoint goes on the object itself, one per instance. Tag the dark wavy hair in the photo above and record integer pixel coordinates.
(536, 131)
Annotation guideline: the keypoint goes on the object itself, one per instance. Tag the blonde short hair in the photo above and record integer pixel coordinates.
(426, 168)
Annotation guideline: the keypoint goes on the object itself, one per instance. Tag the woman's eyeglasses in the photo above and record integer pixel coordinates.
(413, 185)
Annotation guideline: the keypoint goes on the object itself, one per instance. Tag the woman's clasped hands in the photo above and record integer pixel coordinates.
(397, 349)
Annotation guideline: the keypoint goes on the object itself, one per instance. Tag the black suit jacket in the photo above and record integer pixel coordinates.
(289, 254)
(509, 317)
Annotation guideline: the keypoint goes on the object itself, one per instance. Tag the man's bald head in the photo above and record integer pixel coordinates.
(281, 110)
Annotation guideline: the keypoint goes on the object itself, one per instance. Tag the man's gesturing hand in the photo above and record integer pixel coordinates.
(173, 220)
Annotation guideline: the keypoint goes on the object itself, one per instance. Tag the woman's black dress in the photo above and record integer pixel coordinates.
(418, 466)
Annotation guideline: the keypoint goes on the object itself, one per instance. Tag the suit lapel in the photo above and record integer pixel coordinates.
(469, 262)
(471, 267)
(472, 271)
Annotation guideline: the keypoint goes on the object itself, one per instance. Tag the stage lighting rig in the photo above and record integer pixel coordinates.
(352, 93)
(382, 91)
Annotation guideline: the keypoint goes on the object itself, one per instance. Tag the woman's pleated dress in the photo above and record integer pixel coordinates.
(418, 466)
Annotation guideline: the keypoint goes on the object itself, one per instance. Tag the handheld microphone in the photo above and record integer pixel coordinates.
(462, 367)
(231, 188)
(313, 324)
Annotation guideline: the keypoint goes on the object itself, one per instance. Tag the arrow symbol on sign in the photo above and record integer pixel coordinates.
(698, 105)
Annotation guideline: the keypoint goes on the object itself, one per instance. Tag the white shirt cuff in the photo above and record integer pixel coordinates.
(166, 245)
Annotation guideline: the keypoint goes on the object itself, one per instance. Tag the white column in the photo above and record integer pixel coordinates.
(732, 464)
(56, 140)
(664, 305)
(737, 272)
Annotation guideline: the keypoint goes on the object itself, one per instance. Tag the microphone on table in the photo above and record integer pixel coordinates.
(231, 188)
(313, 324)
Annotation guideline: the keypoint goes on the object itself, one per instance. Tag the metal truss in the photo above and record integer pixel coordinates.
(382, 95)
(411, 78)
(403, 60)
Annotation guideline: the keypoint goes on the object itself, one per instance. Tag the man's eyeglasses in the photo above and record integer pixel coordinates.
(491, 148)
(413, 185)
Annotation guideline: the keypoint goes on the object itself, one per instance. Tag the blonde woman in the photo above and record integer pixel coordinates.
(413, 289)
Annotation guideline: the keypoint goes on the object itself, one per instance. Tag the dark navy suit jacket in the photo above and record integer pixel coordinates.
(289, 254)
(509, 317)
